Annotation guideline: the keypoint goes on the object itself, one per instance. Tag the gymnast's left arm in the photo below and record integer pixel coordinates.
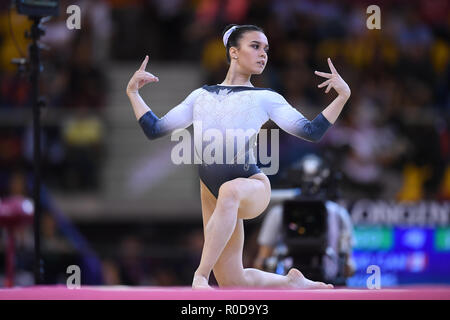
(335, 81)
(292, 121)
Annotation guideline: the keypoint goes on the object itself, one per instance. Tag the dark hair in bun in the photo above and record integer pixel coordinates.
(236, 35)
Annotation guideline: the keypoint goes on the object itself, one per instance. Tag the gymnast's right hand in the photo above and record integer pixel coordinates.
(140, 78)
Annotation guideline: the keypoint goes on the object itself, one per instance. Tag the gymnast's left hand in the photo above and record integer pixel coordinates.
(140, 78)
(334, 81)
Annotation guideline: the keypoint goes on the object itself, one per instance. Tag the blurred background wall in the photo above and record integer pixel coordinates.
(140, 214)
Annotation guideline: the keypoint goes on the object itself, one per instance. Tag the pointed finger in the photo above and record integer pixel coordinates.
(328, 88)
(144, 64)
(323, 84)
(147, 80)
(150, 75)
(323, 74)
(145, 74)
(151, 79)
(332, 68)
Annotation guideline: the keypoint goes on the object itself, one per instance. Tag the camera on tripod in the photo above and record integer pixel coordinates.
(311, 225)
(37, 11)
(306, 236)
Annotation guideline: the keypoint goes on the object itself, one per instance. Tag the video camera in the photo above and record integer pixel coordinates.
(306, 224)
(37, 8)
(305, 234)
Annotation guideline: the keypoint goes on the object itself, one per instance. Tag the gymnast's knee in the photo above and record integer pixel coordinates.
(229, 193)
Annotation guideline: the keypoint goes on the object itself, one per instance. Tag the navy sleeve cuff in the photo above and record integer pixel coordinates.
(322, 121)
(149, 124)
(320, 125)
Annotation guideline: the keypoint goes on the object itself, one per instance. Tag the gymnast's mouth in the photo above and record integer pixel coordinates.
(261, 63)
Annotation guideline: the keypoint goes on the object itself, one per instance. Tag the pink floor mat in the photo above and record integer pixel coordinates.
(60, 292)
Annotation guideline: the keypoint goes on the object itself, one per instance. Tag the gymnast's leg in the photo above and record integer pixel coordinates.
(218, 227)
(228, 269)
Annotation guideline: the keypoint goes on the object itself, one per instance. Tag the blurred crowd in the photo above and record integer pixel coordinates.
(74, 85)
(392, 140)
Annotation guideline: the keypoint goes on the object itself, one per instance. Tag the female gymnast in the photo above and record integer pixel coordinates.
(232, 192)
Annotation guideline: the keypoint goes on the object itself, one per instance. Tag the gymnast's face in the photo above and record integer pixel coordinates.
(252, 54)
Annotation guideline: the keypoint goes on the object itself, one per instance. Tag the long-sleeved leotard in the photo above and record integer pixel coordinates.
(228, 118)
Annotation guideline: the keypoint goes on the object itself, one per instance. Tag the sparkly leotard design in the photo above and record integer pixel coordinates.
(216, 111)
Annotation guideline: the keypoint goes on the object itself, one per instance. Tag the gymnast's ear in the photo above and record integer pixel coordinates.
(233, 53)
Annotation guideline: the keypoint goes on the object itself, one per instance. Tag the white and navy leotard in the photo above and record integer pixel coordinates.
(217, 109)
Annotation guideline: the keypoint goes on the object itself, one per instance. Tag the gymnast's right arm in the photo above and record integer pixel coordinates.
(179, 117)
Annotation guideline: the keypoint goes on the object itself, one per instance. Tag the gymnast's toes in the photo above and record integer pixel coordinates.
(299, 281)
(200, 283)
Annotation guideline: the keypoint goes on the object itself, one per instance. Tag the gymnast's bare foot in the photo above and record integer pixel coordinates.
(200, 282)
(299, 281)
